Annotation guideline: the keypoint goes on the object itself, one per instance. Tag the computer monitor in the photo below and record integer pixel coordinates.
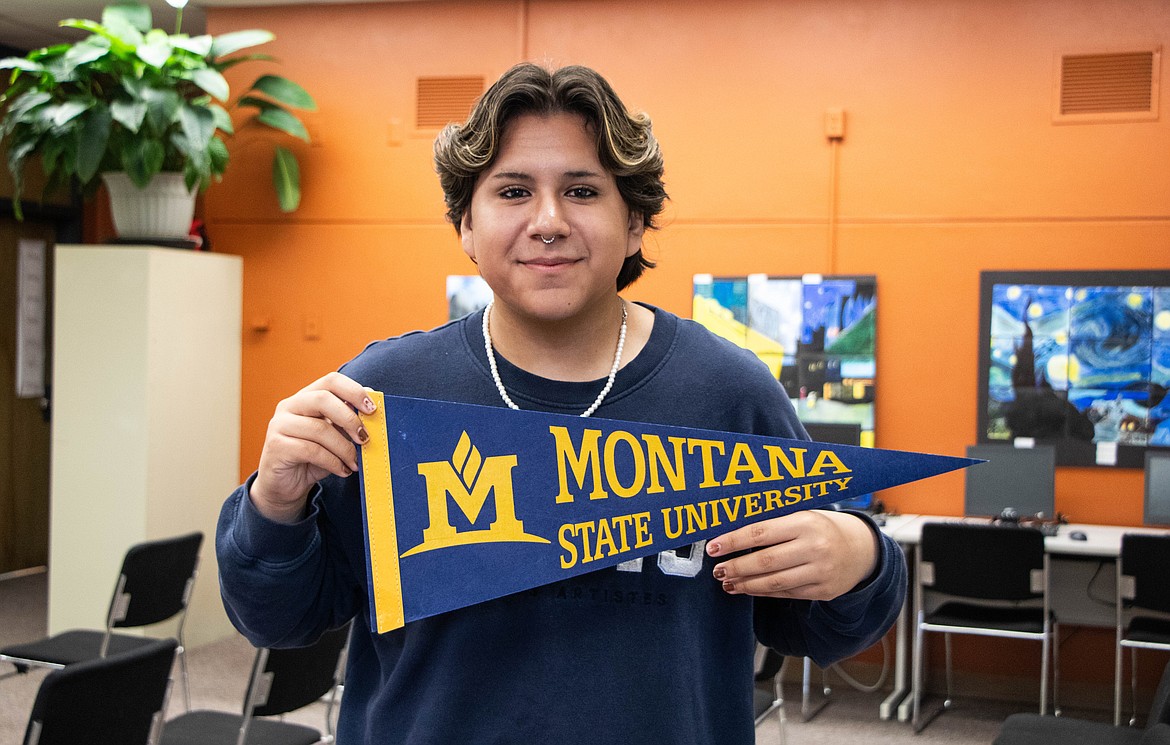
(840, 433)
(837, 433)
(1020, 479)
(1156, 507)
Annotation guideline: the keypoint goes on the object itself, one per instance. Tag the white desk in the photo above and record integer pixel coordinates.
(1079, 582)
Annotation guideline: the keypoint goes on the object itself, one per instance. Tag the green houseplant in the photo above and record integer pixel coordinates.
(135, 99)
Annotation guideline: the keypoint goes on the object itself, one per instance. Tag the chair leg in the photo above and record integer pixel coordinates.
(950, 678)
(779, 698)
(807, 709)
(1133, 686)
(1044, 651)
(1056, 669)
(1117, 659)
(917, 720)
(182, 655)
(916, 683)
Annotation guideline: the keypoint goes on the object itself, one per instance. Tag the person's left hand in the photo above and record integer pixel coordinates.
(809, 555)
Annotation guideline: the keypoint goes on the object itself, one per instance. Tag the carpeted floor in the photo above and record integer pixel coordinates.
(219, 674)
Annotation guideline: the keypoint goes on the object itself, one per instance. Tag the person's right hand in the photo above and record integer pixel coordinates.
(311, 435)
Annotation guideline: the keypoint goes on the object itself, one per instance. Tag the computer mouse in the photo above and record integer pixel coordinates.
(1078, 535)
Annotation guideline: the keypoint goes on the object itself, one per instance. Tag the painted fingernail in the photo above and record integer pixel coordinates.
(729, 587)
(368, 406)
(713, 548)
(363, 436)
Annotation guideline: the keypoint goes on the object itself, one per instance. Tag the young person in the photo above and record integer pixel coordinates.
(551, 185)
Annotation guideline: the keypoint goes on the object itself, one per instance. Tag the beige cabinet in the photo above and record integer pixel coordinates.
(146, 418)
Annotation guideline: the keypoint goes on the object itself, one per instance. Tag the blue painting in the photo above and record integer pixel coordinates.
(1084, 358)
(815, 333)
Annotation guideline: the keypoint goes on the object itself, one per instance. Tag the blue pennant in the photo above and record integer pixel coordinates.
(467, 503)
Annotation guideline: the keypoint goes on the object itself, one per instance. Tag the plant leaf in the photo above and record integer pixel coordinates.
(199, 45)
(54, 51)
(91, 142)
(20, 63)
(197, 165)
(284, 121)
(161, 107)
(86, 51)
(66, 111)
(234, 41)
(17, 152)
(52, 150)
(223, 120)
(262, 104)
(156, 50)
(218, 154)
(222, 65)
(133, 15)
(22, 105)
(212, 81)
(85, 25)
(285, 91)
(117, 25)
(142, 160)
(128, 113)
(198, 125)
(286, 177)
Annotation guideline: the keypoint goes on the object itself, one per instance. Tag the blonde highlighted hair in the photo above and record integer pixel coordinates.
(626, 146)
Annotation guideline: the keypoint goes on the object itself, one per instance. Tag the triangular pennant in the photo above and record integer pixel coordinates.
(467, 503)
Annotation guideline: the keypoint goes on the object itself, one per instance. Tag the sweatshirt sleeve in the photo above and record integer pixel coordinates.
(828, 631)
(279, 584)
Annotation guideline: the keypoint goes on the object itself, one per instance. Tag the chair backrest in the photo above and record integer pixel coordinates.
(1144, 582)
(285, 680)
(115, 700)
(156, 580)
(292, 678)
(987, 562)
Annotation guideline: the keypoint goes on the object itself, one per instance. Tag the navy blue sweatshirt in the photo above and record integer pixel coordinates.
(649, 652)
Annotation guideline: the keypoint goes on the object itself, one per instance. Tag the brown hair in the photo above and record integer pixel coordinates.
(626, 146)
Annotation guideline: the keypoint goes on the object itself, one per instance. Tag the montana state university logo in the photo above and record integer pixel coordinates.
(470, 479)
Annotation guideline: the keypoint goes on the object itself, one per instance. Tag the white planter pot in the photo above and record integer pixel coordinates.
(163, 210)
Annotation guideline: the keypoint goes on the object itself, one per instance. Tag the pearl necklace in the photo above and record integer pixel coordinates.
(491, 355)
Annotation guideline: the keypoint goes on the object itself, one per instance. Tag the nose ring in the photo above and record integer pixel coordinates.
(548, 241)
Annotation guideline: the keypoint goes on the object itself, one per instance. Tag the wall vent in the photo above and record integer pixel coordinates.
(442, 100)
(1108, 86)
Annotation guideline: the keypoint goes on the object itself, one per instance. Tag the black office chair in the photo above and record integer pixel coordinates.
(283, 680)
(1142, 584)
(1033, 729)
(115, 700)
(154, 585)
(995, 583)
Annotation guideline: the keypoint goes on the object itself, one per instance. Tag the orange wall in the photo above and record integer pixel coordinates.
(951, 165)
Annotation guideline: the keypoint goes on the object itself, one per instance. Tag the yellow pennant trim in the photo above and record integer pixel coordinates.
(383, 533)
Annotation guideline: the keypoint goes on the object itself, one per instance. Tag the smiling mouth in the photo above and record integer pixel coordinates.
(549, 263)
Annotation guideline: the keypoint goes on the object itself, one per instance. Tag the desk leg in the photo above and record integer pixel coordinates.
(901, 688)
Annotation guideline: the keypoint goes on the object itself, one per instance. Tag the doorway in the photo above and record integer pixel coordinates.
(25, 337)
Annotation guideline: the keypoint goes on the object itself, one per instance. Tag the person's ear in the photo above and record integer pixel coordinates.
(467, 235)
(634, 232)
